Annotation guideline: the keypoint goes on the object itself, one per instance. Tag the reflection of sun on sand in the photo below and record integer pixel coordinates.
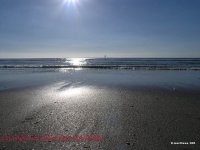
(126, 117)
(75, 91)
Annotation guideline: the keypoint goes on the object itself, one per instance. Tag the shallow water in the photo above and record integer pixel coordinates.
(173, 80)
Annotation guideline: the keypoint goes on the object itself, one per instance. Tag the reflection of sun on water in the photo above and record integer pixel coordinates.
(77, 61)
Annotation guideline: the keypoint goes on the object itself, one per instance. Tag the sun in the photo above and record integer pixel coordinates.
(71, 1)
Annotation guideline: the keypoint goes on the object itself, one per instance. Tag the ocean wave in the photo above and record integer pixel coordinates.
(128, 67)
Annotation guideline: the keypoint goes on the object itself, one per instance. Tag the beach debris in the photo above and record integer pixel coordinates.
(86, 146)
(74, 145)
(128, 143)
(158, 129)
(36, 122)
(131, 106)
(29, 118)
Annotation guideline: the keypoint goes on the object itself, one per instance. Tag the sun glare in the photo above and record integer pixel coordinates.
(75, 92)
(77, 61)
(71, 1)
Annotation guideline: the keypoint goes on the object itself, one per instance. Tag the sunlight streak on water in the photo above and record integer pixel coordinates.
(77, 61)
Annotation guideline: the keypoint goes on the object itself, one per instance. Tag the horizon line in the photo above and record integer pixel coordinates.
(99, 57)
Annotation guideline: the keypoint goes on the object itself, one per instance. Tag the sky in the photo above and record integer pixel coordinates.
(94, 28)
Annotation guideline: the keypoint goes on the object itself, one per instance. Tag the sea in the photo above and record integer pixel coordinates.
(167, 73)
(105, 63)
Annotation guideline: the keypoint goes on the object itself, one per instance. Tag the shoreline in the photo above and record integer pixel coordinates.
(178, 80)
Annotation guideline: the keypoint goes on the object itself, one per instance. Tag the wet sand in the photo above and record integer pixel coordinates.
(126, 118)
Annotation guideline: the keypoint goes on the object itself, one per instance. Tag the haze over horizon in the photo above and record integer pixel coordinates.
(94, 28)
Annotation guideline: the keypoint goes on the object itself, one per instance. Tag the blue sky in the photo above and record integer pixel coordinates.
(94, 28)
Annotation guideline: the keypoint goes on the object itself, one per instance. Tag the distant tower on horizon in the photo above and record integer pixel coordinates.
(105, 57)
